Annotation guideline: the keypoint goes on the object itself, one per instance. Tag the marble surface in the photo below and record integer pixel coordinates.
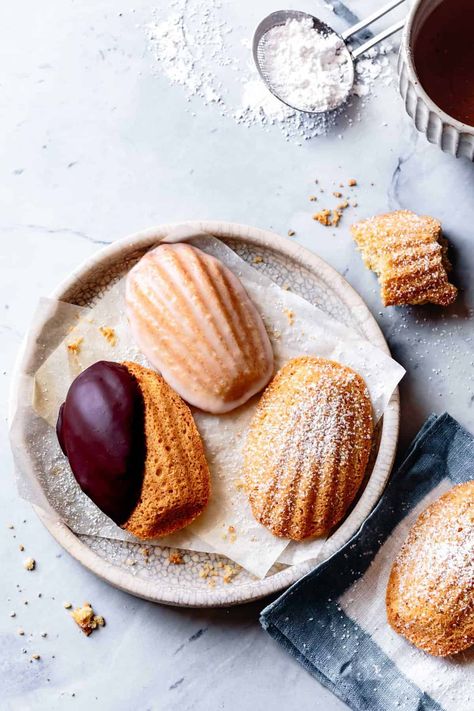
(95, 145)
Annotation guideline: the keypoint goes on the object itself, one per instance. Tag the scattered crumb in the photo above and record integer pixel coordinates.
(290, 315)
(67, 605)
(21, 547)
(232, 534)
(75, 346)
(109, 335)
(176, 558)
(207, 571)
(44, 634)
(230, 571)
(21, 631)
(323, 217)
(130, 561)
(10, 525)
(86, 619)
(29, 564)
(291, 233)
(12, 614)
(286, 287)
(313, 198)
(336, 217)
(257, 259)
(343, 205)
(35, 656)
(352, 182)
(337, 194)
(145, 552)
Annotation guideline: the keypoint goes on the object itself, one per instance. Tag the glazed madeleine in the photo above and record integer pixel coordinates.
(308, 447)
(194, 321)
(430, 592)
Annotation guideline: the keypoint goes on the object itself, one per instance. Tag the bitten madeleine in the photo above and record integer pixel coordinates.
(134, 448)
(430, 592)
(409, 254)
(308, 447)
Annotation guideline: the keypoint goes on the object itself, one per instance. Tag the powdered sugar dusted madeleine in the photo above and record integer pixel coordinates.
(194, 321)
(308, 447)
(409, 255)
(430, 592)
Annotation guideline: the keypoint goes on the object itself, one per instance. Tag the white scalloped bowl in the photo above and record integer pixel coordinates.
(152, 577)
(452, 136)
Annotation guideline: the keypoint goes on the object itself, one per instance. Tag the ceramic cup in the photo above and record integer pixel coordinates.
(450, 135)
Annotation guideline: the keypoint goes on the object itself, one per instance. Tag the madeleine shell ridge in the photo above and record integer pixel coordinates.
(176, 481)
(308, 447)
(194, 321)
(430, 592)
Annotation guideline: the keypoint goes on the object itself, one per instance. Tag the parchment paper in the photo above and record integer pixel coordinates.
(227, 525)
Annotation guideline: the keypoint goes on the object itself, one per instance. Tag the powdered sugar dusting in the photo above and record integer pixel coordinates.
(308, 447)
(308, 68)
(195, 48)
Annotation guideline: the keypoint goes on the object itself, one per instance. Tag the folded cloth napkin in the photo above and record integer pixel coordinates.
(333, 621)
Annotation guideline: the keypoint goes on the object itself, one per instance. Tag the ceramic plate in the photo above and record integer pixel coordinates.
(150, 575)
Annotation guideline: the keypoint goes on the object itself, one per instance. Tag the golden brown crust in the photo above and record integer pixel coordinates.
(430, 592)
(308, 447)
(408, 254)
(176, 481)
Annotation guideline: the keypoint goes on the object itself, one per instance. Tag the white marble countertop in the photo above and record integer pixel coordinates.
(96, 145)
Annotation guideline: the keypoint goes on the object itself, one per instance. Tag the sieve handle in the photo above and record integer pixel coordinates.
(371, 18)
(396, 27)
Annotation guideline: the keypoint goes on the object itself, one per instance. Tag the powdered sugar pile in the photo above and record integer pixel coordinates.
(307, 68)
(195, 48)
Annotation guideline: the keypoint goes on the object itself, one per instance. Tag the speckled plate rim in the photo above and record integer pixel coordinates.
(174, 594)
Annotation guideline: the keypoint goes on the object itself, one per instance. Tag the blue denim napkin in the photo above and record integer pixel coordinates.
(333, 620)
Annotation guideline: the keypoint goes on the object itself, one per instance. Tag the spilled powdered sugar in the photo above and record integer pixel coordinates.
(194, 47)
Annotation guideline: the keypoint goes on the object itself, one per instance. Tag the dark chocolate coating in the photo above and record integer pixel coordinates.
(100, 429)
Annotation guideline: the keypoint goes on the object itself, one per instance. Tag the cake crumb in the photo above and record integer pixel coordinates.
(313, 198)
(21, 547)
(337, 194)
(291, 233)
(12, 614)
(21, 631)
(290, 315)
(176, 558)
(323, 217)
(257, 259)
(29, 564)
(109, 335)
(230, 571)
(75, 346)
(145, 552)
(67, 605)
(35, 656)
(352, 182)
(232, 534)
(336, 217)
(86, 619)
